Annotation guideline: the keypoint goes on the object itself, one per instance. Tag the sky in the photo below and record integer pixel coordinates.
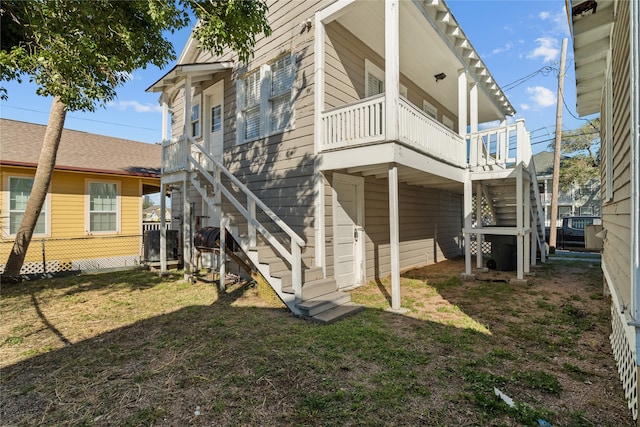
(518, 40)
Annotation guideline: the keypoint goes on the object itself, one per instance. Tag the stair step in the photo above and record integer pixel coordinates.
(313, 289)
(322, 303)
(338, 312)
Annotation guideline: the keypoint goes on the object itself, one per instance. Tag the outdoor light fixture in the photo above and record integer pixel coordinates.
(440, 76)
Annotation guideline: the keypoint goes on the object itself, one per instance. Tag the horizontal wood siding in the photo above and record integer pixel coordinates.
(616, 212)
(430, 226)
(345, 72)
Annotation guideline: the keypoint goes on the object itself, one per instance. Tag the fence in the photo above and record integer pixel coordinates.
(55, 255)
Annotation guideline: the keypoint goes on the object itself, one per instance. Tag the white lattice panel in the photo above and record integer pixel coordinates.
(36, 267)
(486, 247)
(623, 342)
(102, 263)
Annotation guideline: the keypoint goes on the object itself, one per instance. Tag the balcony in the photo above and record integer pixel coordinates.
(364, 123)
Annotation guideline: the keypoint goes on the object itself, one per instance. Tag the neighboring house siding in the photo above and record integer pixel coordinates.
(616, 212)
(67, 240)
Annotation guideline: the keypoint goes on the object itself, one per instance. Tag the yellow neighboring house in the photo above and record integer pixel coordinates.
(92, 218)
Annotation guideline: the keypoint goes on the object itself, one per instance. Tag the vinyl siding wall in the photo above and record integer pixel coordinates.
(430, 226)
(68, 213)
(616, 212)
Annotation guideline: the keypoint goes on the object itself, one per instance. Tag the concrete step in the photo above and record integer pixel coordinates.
(322, 303)
(313, 289)
(308, 275)
(338, 312)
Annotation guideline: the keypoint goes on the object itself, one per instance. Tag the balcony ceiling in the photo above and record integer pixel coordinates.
(591, 25)
(431, 42)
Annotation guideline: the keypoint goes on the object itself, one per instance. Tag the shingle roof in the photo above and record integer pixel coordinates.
(544, 163)
(21, 142)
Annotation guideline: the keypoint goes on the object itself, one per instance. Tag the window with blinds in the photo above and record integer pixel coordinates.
(266, 99)
(19, 192)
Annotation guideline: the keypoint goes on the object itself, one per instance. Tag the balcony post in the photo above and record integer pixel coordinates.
(319, 141)
(462, 114)
(394, 238)
(473, 107)
(392, 67)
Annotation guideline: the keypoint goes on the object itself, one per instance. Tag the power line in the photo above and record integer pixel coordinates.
(83, 118)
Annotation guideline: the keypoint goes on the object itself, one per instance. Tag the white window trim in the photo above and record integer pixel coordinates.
(377, 72)
(265, 104)
(429, 108)
(87, 208)
(7, 197)
(196, 103)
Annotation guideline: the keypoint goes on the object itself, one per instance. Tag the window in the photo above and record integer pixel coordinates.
(265, 99)
(428, 108)
(195, 120)
(216, 118)
(103, 207)
(447, 122)
(280, 100)
(19, 192)
(375, 81)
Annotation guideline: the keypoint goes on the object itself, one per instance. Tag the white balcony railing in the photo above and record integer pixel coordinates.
(354, 124)
(427, 135)
(500, 147)
(363, 122)
(174, 154)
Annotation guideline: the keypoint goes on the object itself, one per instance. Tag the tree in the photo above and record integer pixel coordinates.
(79, 52)
(581, 150)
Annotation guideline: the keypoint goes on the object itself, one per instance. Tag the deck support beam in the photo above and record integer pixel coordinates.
(394, 237)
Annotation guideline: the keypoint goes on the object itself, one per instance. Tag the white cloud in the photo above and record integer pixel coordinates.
(547, 49)
(504, 48)
(544, 15)
(525, 107)
(541, 96)
(137, 107)
(559, 20)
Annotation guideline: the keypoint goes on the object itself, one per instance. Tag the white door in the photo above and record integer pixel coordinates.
(348, 231)
(214, 120)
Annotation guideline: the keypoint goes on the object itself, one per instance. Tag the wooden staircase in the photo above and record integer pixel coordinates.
(264, 238)
(502, 174)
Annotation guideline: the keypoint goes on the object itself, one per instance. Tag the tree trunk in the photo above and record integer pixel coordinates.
(41, 182)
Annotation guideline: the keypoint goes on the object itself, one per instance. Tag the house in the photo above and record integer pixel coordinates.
(347, 150)
(605, 38)
(576, 201)
(92, 217)
(152, 214)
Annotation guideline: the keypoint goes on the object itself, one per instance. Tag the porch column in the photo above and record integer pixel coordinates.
(319, 100)
(187, 106)
(473, 107)
(479, 237)
(165, 118)
(163, 229)
(186, 227)
(394, 237)
(519, 222)
(468, 210)
(392, 67)
(528, 237)
(462, 103)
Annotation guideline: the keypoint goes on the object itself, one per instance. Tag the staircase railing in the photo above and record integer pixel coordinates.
(293, 255)
(499, 148)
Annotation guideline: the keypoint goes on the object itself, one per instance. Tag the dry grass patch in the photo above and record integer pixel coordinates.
(133, 349)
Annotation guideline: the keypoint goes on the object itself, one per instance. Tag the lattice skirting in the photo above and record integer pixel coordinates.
(56, 266)
(623, 342)
(486, 247)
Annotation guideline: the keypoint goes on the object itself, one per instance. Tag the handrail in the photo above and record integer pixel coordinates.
(294, 256)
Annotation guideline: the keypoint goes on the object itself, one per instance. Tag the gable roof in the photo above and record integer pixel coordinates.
(543, 162)
(21, 143)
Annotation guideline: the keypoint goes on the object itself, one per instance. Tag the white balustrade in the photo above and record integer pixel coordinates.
(354, 124)
(174, 154)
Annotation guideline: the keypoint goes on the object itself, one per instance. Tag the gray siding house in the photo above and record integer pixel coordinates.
(348, 149)
(605, 34)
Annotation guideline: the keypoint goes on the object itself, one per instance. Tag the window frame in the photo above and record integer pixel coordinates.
(378, 73)
(46, 207)
(198, 121)
(430, 109)
(264, 102)
(88, 212)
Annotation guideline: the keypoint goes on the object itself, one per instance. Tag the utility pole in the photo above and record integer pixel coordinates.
(556, 157)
